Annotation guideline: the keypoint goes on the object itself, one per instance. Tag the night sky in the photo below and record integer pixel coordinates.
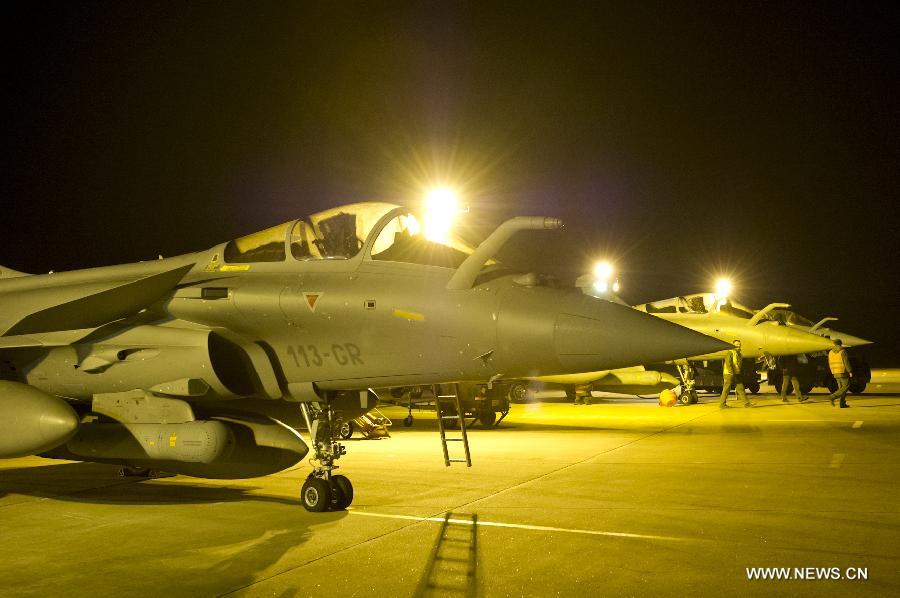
(680, 140)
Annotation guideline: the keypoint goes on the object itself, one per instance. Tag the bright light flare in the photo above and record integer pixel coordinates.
(441, 208)
(604, 280)
(603, 270)
(723, 288)
(412, 225)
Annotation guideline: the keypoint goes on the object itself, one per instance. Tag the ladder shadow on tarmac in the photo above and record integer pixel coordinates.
(452, 567)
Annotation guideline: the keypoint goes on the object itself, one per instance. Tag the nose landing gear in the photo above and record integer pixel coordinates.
(688, 393)
(320, 494)
(323, 490)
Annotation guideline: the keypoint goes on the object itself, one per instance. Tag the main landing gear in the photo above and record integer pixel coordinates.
(323, 490)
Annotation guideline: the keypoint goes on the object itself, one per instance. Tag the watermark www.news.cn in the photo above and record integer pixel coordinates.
(809, 573)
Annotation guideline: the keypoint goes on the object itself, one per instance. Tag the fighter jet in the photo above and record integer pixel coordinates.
(724, 318)
(762, 337)
(208, 364)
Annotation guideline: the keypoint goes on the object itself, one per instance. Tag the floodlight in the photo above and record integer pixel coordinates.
(723, 288)
(603, 270)
(441, 208)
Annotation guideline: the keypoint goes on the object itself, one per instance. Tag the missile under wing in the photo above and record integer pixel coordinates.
(206, 364)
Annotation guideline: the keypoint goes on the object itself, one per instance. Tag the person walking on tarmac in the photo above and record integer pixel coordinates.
(839, 364)
(789, 377)
(731, 374)
(582, 395)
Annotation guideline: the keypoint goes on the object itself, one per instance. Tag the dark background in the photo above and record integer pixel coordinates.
(682, 141)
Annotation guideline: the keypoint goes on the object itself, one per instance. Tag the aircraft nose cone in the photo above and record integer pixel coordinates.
(618, 336)
(849, 340)
(789, 341)
(544, 332)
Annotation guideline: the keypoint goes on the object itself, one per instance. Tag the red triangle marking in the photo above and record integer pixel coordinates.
(312, 299)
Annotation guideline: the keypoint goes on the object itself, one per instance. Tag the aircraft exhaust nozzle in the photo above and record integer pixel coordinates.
(32, 421)
(578, 333)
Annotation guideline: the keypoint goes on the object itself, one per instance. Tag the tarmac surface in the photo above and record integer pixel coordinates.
(622, 498)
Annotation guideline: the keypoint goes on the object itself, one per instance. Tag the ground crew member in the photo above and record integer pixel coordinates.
(789, 371)
(839, 364)
(583, 394)
(731, 374)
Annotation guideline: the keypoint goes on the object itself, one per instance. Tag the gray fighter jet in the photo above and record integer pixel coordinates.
(716, 314)
(207, 364)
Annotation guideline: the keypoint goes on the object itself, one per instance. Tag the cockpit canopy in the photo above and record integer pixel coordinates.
(698, 303)
(790, 317)
(341, 233)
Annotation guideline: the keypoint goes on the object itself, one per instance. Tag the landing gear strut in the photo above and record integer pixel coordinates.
(415, 393)
(688, 393)
(323, 490)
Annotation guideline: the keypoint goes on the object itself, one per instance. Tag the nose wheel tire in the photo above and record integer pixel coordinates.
(316, 495)
(407, 421)
(487, 418)
(342, 492)
(688, 397)
(346, 430)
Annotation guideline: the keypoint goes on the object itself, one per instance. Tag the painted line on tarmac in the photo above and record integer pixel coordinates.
(857, 424)
(836, 460)
(795, 420)
(539, 528)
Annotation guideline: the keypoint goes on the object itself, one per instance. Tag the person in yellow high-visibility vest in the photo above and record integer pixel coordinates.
(731, 374)
(839, 364)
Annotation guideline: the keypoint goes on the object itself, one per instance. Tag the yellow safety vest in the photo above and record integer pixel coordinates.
(732, 363)
(836, 362)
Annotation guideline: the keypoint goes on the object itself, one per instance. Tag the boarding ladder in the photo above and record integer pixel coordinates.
(448, 410)
(452, 567)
